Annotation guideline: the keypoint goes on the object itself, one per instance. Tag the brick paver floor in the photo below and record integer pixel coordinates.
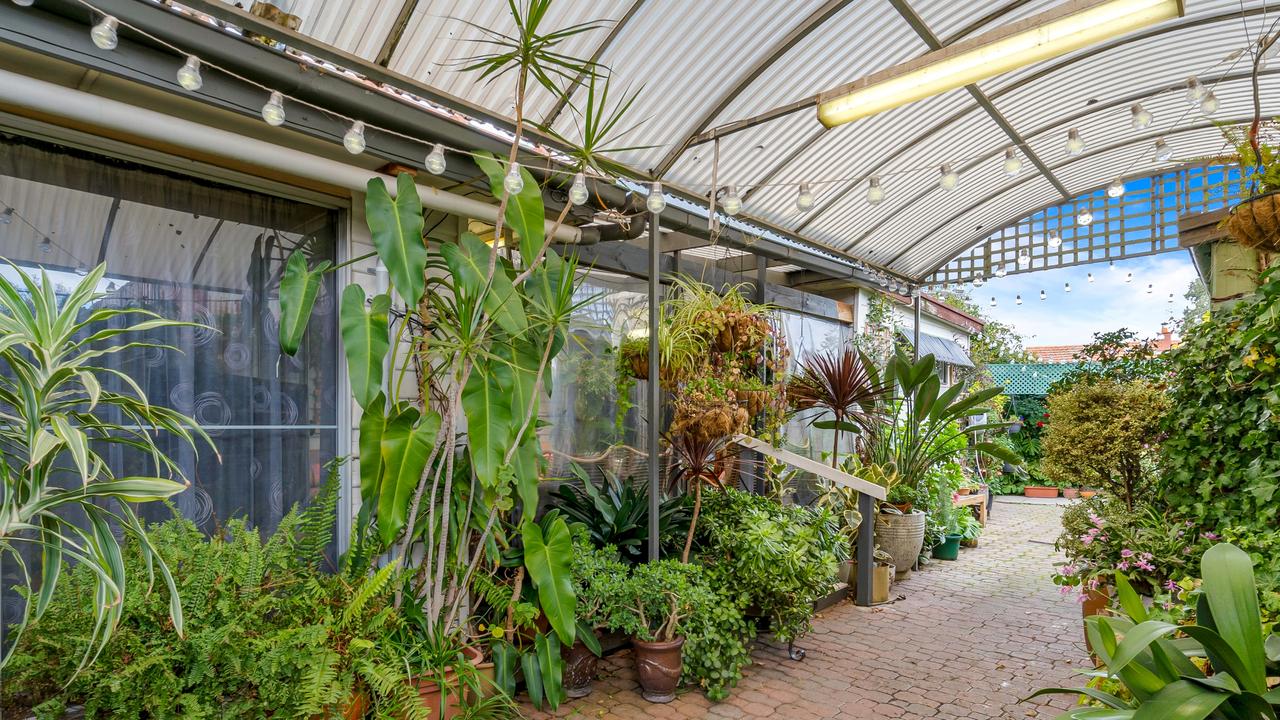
(964, 639)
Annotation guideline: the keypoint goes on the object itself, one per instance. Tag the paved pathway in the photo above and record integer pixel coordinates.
(966, 639)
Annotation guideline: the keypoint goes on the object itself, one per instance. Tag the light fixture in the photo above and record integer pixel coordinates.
(656, 202)
(875, 193)
(1195, 91)
(1075, 143)
(1040, 37)
(435, 161)
(46, 245)
(1024, 257)
(189, 74)
(1141, 117)
(1090, 278)
(1115, 189)
(1163, 150)
(1085, 217)
(6, 217)
(993, 301)
(1150, 288)
(979, 281)
(1054, 240)
(1066, 287)
(1209, 103)
(1001, 271)
(273, 111)
(578, 191)
(1128, 277)
(513, 183)
(1042, 295)
(104, 33)
(1017, 300)
(949, 178)
(1012, 163)
(731, 203)
(1111, 265)
(353, 141)
(23, 3)
(804, 199)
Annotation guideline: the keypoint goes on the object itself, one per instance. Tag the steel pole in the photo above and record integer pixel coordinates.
(916, 328)
(653, 385)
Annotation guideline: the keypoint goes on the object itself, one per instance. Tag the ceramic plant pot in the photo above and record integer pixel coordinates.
(1071, 493)
(579, 669)
(948, 549)
(658, 669)
(902, 536)
(445, 701)
(1040, 491)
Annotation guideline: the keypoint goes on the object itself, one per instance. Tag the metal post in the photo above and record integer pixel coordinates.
(653, 386)
(916, 326)
(757, 460)
(866, 549)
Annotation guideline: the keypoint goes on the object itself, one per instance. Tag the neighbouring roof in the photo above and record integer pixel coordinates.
(942, 349)
(1028, 378)
(1055, 353)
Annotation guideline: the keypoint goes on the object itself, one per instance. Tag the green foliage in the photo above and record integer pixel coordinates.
(1101, 536)
(1259, 161)
(657, 599)
(365, 341)
(1197, 297)
(1157, 671)
(598, 578)
(395, 226)
(548, 556)
(616, 513)
(1117, 356)
(57, 400)
(1221, 453)
(778, 559)
(299, 287)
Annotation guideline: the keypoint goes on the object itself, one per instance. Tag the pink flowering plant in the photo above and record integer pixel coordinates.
(1102, 537)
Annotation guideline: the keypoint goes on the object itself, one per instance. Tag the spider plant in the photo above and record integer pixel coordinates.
(696, 461)
(56, 433)
(844, 384)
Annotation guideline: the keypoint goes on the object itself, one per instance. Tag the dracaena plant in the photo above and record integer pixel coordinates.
(1220, 667)
(61, 415)
(844, 384)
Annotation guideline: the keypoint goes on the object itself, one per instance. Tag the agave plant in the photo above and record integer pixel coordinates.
(1159, 671)
(844, 384)
(55, 436)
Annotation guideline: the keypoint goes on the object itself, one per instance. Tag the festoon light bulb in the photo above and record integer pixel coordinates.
(24, 3)
(273, 111)
(578, 191)
(1024, 257)
(435, 161)
(804, 199)
(353, 141)
(104, 33)
(1012, 163)
(6, 217)
(1150, 288)
(1195, 91)
(1001, 271)
(189, 74)
(1115, 189)
(1163, 150)
(731, 203)
(1054, 241)
(1141, 117)
(46, 245)
(948, 178)
(1209, 103)
(1017, 300)
(875, 192)
(979, 281)
(1075, 143)
(1090, 278)
(1066, 287)
(993, 301)
(1085, 217)
(1042, 295)
(656, 202)
(1128, 277)
(513, 183)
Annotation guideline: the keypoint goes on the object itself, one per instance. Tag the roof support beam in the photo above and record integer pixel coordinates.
(603, 47)
(798, 33)
(396, 33)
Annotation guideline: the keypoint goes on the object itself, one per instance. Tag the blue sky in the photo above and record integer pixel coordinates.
(1108, 303)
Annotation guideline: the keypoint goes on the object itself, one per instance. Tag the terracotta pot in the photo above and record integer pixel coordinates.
(1255, 223)
(1088, 493)
(355, 707)
(963, 491)
(579, 669)
(881, 581)
(903, 508)
(1095, 602)
(902, 536)
(1071, 493)
(1040, 491)
(658, 669)
(450, 696)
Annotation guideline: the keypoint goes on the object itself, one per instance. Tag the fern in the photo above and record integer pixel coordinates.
(366, 590)
(316, 523)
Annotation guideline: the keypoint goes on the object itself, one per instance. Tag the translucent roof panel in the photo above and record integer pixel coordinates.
(701, 65)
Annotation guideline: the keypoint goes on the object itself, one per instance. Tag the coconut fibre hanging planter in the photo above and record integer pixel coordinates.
(1255, 223)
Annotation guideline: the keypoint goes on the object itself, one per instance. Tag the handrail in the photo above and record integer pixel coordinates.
(799, 461)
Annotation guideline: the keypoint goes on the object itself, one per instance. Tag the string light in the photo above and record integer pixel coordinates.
(23, 3)
(273, 111)
(6, 217)
(1150, 288)
(1001, 271)
(1195, 91)
(656, 202)
(875, 193)
(1209, 104)
(513, 183)
(1090, 278)
(1054, 241)
(1111, 265)
(731, 203)
(189, 74)
(1012, 163)
(1075, 143)
(1017, 300)
(1163, 150)
(1042, 296)
(993, 301)
(1085, 218)
(1024, 257)
(1141, 117)
(353, 141)
(1128, 277)
(804, 199)
(979, 281)
(1115, 189)
(104, 34)
(949, 178)
(578, 191)
(435, 161)
(46, 245)
(1066, 287)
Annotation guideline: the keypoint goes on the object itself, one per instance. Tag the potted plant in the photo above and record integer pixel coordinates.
(1255, 222)
(1071, 493)
(949, 546)
(652, 607)
(1040, 491)
(598, 576)
(970, 529)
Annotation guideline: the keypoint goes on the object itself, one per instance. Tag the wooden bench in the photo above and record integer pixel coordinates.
(977, 500)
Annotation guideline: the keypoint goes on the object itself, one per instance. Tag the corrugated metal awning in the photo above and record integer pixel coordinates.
(942, 349)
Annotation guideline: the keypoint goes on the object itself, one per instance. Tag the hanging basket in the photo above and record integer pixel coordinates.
(638, 366)
(754, 401)
(1255, 223)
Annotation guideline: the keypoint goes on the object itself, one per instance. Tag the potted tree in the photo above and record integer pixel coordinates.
(652, 607)
(598, 576)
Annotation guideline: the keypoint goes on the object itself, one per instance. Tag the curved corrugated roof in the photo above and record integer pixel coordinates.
(707, 63)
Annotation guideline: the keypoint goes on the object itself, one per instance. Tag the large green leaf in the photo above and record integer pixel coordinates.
(365, 341)
(505, 658)
(1180, 700)
(1137, 640)
(372, 422)
(396, 228)
(487, 406)
(549, 560)
(468, 262)
(50, 562)
(298, 290)
(525, 463)
(525, 215)
(406, 445)
(532, 677)
(1232, 597)
(551, 667)
(125, 489)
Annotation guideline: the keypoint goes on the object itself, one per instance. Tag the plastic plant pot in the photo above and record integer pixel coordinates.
(948, 549)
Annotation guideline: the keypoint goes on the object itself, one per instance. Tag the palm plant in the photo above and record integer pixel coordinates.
(697, 460)
(1163, 679)
(57, 406)
(844, 384)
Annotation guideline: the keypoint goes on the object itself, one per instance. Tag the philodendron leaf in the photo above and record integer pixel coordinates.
(487, 405)
(525, 215)
(372, 422)
(406, 445)
(549, 559)
(365, 341)
(551, 666)
(298, 290)
(396, 228)
(468, 262)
